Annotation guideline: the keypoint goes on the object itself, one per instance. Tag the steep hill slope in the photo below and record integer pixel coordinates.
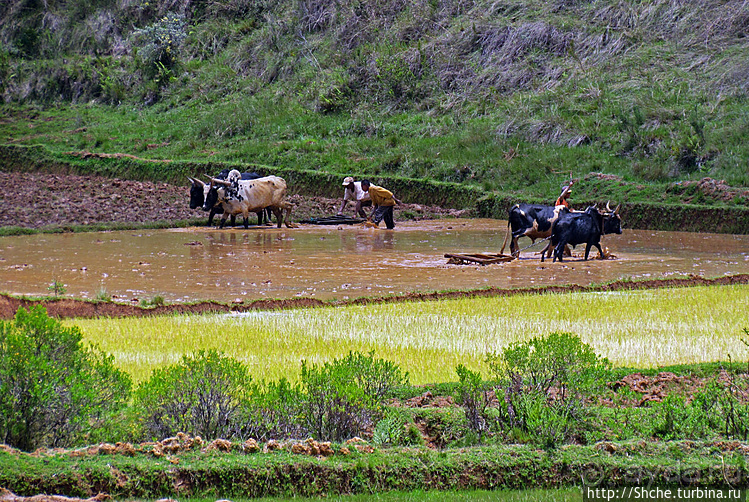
(514, 96)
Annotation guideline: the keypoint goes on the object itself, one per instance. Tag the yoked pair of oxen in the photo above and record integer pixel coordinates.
(561, 226)
(233, 193)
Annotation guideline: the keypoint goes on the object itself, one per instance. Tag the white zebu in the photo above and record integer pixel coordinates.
(246, 196)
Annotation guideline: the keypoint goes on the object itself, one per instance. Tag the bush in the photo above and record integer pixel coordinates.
(546, 380)
(158, 47)
(53, 389)
(274, 411)
(201, 395)
(390, 431)
(341, 398)
(57, 288)
(545, 424)
(732, 410)
(473, 396)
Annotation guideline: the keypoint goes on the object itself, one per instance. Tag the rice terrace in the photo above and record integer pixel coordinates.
(147, 353)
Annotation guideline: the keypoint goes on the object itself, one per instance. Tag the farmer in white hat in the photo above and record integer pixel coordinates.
(353, 191)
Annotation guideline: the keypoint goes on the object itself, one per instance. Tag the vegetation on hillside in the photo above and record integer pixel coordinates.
(513, 96)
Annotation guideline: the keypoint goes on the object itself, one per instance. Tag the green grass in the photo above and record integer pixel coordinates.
(417, 475)
(530, 495)
(511, 97)
(641, 329)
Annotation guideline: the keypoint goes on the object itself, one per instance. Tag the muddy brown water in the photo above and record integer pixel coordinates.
(335, 262)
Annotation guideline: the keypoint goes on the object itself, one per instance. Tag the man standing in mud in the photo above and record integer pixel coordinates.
(352, 190)
(383, 202)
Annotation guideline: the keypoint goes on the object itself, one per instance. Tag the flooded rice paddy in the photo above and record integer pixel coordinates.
(335, 262)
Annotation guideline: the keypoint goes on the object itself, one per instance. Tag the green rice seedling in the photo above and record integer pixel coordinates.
(102, 295)
(643, 329)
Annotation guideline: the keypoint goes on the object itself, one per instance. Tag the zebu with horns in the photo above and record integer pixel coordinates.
(245, 196)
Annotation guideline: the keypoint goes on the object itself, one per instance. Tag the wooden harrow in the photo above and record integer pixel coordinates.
(480, 258)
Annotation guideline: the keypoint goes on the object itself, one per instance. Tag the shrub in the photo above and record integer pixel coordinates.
(547, 380)
(545, 424)
(376, 377)
(724, 403)
(341, 398)
(274, 412)
(57, 288)
(157, 46)
(391, 430)
(53, 389)
(201, 395)
(473, 396)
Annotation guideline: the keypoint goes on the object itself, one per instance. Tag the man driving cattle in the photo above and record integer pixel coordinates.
(566, 191)
(352, 191)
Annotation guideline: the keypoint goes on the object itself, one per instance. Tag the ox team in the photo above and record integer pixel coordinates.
(232, 193)
(561, 226)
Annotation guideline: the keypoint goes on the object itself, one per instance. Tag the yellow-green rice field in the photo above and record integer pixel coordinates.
(645, 328)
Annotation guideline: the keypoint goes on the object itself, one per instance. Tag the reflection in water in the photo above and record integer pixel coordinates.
(324, 262)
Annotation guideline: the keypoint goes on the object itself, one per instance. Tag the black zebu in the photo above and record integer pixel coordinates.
(583, 228)
(530, 220)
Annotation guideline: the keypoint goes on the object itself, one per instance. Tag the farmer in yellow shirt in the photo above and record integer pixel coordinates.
(383, 202)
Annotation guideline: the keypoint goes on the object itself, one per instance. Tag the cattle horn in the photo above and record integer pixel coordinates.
(608, 209)
(220, 182)
(195, 181)
(616, 210)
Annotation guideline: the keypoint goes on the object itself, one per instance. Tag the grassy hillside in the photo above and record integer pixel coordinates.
(514, 96)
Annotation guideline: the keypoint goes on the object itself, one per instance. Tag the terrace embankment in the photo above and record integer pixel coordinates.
(126, 471)
(74, 308)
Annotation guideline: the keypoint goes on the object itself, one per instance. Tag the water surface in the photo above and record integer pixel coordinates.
(335, 262)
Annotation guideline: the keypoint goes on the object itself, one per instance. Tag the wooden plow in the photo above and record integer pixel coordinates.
(333, 220)
(480, 258)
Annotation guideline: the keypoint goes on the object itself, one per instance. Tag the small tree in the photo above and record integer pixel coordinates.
(203, 395)
(53, 389)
